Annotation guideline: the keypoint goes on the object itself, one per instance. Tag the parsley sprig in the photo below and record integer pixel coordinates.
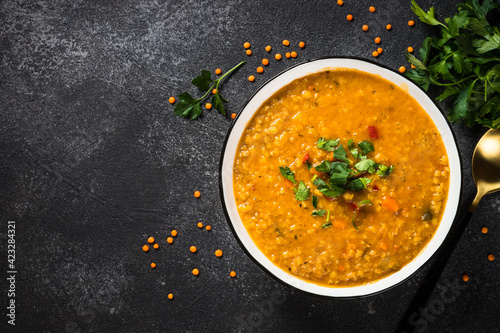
(188, 107)
(465, 61)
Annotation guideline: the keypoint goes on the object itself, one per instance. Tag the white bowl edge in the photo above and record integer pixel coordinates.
(266, 91)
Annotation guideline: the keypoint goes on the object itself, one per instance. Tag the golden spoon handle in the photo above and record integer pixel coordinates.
(480, 194)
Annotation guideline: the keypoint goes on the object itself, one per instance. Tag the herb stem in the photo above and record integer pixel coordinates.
(228, 72)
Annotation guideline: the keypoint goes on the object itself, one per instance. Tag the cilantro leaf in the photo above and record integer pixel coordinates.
(339, 173)
(366, 165)
(325, 167)
(320, 212)
(328, 191)
(340, 154)
(327, 145)
(203, 81)
(302, 192)
(326, 225)
(384, 170)
(315, 201)
(288, 174)
(366, 147)
(358, 184)
(359, 205)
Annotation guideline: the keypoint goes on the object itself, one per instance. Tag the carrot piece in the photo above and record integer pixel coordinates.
(390, 204)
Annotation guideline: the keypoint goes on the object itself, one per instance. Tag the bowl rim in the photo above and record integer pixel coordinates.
(453, 223)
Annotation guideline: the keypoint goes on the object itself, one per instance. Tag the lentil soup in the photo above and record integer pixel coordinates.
(360, 234)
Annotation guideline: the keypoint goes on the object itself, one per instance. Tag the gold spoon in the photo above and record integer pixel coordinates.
(486, 173)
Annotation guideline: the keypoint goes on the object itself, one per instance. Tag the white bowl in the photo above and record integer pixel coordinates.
(246, 114)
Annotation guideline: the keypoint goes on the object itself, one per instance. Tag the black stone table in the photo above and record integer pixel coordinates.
(93, 161)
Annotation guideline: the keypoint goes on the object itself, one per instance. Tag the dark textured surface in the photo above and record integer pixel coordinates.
(93, 161)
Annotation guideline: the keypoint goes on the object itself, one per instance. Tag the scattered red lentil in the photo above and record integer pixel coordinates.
(268, 48)
(277, 56)
(196, 271)
(151, 240)
(153, 265)
(208, 106)
(251, 78)
(260, 69)
(208, 227)
(491, 257)
(372, 9)
(265, 62)
(232, 274)
(286, 42)
(388, 27)
(288, 55)
(377, 40)
(484, 230)
(218, 253)
(217, 71)
(465, 277)
(192, 249)
(145, 248)
(197, 194)
(248, 52)
(364, 27)
(214, 91)
(170, 296)
(170, 240)
(380, 50)
(294, 54)
(349, 17)
(233, 115)
(156, 246)
(174, 233)
(413, 66)
(171, 100)
(375, 54)
(246, 45)
(302, 45)
(402, 69)
(200, 225)
(340, 2)
(411, 23)
(410, 49)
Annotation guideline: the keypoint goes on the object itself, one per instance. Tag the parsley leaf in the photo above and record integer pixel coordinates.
(288, 174)
(366, 147)
(328, 191)
(327, 145)
(340, 154)
(462, 62)
(326, 225)
(315, 201)
(366, 165)
(320, 212)
(302, 192)
(188, 107)
(203, 81)
(384, 170)
(358, 184)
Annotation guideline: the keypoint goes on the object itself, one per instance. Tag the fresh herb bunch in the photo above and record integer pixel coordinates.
(189, 107)
(465, 61)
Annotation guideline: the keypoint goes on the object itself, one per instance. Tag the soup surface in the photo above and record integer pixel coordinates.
(318, 201)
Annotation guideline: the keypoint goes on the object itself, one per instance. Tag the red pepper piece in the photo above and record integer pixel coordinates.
(372, 130)
(306, 158)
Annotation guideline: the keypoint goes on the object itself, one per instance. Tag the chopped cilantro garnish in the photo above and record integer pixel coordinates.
(320, 212)
(315, 201)
(327, 145)
(328, 191)
(288, 174)
(384, 170)
(360, 204)
(302, 192)
(326, 225)
(366, 147)
(366, 165)
(358, 184)
(340, 154)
